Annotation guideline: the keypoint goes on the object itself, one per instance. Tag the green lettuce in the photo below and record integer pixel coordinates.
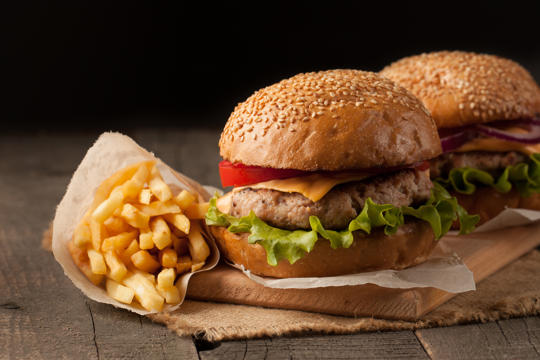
(440, 211)
(524, 176)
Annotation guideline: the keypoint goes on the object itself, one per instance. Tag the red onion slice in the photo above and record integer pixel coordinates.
(465, 134)
(454, 141)
(532, 137)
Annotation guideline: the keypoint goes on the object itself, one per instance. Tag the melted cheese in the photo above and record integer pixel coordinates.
(314, 187)
(494, 144)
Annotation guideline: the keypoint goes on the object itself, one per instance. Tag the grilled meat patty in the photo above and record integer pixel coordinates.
(338, 207)
(492, 162)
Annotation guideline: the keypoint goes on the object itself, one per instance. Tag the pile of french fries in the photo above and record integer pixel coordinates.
(138, 237)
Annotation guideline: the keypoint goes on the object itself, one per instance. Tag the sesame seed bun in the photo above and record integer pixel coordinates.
(410, 245)
(463, 88)
(487, 202)
(330, 120)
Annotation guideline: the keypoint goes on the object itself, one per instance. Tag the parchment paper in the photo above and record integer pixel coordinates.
(510, 217)
(443, 270)
(110, 153)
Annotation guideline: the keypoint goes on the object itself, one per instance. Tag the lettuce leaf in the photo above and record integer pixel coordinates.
(524, 176)
(440, 211)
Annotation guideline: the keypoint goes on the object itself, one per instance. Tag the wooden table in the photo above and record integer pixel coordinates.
(42, 315)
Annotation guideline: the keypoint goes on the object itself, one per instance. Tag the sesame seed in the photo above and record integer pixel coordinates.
(292, 103)
(494, 88)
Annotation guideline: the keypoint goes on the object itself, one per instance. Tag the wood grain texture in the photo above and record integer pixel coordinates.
(504, 339)
(390, 345)
(42, 315)
(482, 253)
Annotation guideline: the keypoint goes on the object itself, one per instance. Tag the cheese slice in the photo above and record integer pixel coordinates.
(498, 145)
(494, 144)
(314, 187)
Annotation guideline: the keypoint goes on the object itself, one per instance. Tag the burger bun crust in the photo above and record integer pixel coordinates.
(410, 245)
(487, 202)
(463, 88)
(330, 120)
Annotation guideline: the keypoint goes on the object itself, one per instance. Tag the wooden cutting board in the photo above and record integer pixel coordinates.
(484, 254)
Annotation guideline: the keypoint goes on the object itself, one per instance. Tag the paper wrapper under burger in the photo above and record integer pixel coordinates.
(110, 153)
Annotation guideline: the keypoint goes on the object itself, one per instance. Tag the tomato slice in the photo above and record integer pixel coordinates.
(239, 174)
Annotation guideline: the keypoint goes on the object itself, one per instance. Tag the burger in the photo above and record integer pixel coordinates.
(487, 112)
(330, 177)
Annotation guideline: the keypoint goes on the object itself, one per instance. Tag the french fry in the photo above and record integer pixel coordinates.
(168, 258)
(144, 261)
(117, 269)
(119, 241)
(166, 288)
(183, 265)
(98, 233)
(134, 217)
(161, 234)
(80, 257)
(107, 207)
(117, 179)
(197, 211)
(179, 221)
(158, 186)
(171, 294)
(82, 235)
(133, 186)
(141, 175)
(116, 225)
(180, 244)
(166, 278)
(150, 277)
(184, 199)
(145, 197)
(145, 291)
(97, 263)
(132, 248)
(145, 240)
(119, 292)
(198, 248)
(157, 208)
(133, 212)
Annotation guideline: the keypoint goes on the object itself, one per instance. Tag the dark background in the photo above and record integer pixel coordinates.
(116, 65)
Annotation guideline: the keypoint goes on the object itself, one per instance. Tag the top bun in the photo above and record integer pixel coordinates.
(461, 88)
(330, 120)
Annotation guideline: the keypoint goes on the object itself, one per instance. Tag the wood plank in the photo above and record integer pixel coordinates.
(504, 339)
(42, 315)
(122, 334)
(387, 345)
(483, 255)
(481, 252)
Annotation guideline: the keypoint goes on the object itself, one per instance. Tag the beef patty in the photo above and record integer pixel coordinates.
(492, 162)
(338, 207)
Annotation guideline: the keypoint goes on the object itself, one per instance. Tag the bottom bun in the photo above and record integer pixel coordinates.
(487, 202)
(410, 245)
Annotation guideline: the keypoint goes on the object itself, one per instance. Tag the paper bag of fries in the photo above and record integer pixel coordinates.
(129, 230)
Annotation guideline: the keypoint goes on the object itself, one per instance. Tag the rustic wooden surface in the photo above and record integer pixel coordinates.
(482, 253)
(42, 315)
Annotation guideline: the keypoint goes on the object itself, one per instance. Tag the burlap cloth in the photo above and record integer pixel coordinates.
(512, 291)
